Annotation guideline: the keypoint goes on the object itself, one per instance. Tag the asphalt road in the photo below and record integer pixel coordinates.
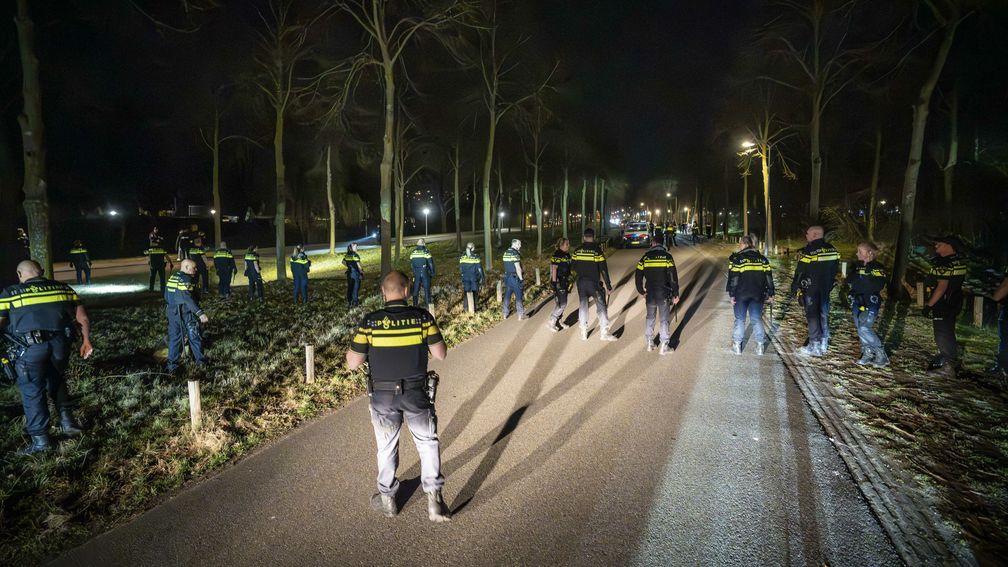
(556, 451)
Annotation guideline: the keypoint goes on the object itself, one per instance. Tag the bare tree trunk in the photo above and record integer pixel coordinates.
(909, 200)
(537, 201)
(458, 203)
(329, 196)
(584, 212)
(563, 202)
(487, 170)
(36, 201)
(388, 154)
(765, 160)
(281, 197)
(948, 170)
(594, 204)
(216, 178)
(873, 189)
(500, 204)
(524, 213)
(745, 204)
(472, 220)
(815, 129)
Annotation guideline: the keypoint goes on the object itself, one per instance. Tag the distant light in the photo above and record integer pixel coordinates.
(113, 213)
(882, 202)
(747, 144)
(213, 211)
(685, 209)
(108, 289)
(426, 211)
(668, 195)
(642, 205)
(374, 235)
(502, 214)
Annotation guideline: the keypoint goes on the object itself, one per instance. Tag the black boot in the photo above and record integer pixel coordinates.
(68, 424)
(39, 444)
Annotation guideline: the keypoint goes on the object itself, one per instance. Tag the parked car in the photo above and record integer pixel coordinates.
(636, 234)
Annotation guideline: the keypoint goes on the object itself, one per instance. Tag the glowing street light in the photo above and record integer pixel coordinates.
(668, 195)
(113, 212)
(426, 212)
(747, 144)
(213, 212)
(882, 202)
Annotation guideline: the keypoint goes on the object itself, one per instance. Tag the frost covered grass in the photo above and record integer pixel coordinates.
(949, 435)
(138, 447)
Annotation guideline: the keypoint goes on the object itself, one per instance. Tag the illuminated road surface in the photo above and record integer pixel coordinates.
(556, 451)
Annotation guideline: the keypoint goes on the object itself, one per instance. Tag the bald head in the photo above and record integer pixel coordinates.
(188, 267)
(814, 232)
(395, 286)
(28, 269)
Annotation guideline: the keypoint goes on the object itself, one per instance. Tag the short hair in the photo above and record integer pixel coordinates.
(471, 245)
(589, 233)
(817, 229)
(869, 246)
(516, 241)
(187, 262)
(29, 268)
(747, 241)
(223, 244)
(420, 242)
(394, 281)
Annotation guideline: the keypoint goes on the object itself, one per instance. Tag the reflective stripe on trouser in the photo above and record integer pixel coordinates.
(657, 307)
(473, 286)
(387, 412)
(160, 274)
(224, 284)
(418, 282)
(587, 289)
(179, 329)
(864, 322)
(512, 285)
(561, 304)
(41, 371)
(817, 313)
(352, 291)
(754, 309)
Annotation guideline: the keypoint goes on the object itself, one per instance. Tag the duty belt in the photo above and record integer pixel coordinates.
(398, 386)
(39, 336)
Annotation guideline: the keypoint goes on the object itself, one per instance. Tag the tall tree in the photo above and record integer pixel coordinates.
(532, 119)
(767, 133)
(948, 16)
(36, 201)
(387, 38)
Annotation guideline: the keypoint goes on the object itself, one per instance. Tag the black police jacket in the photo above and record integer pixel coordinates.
(181, 293)
(224, 262)
(589, 263)
(952, 269)
(866, 282)
(470, 268)
(749, 275)
(422, 262)
(657, 270)
(39, 304)
(818, 264)
(395, 340)
(300, 264)
(562, 261)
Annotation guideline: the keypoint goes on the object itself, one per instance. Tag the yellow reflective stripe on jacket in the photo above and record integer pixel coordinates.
(79, 251)
(512, 258)
(415, 254)
(37, 298)
(749, 267)
(397, 341)
(251, 257)
(819, 257)
(154, 251)
(871, 273)
(295, 261)
(952, 270)
(587, 256)
(655, 263)
(469, 260)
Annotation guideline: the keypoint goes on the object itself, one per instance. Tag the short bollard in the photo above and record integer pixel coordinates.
(843, 269)
(538, 281)
(195, 408)
(500, 292)
(470, 302)
(309, 356)
(920, 294)
(978, 305)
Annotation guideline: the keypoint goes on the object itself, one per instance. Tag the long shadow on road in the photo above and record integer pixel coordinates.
(710, 272)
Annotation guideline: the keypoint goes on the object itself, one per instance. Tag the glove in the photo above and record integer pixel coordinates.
(927, 311)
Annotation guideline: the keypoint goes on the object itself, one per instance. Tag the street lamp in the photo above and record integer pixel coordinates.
(213, 212)
(426, 212)
(113, 212)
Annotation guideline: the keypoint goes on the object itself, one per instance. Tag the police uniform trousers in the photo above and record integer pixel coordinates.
(224, 283)
(513, 286)
(202, 275)
(670, 238)
(657, 307)
(158, 272)
(421, 280)
(40, 371)
(753, 308)
(865, 313)
(255, 286)
(301, 286)
(816, 304)
(560, 297)
(353, 283)
(388, 409)
(83, 270)
(181, 328)
(1002, 358)
(943, 320)
(473, 286)
(592, 289)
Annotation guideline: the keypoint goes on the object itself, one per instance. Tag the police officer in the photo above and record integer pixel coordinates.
(157, 257)
(354, 274)
(38, 314)
(560, 271)
(1000, 367)
(866, 281)
(81, 262)
(818, 264)
(154, 238)
(943, 306)
(184, 315)
(396, 342)
(514, 278)
(589, 263)
(182, 244)
(197, 253)
(253, 271)
(471, 270)
(300, 266)
(750, 283)
(658, 281)
(225, 266)
(423, 271)
(670, 230)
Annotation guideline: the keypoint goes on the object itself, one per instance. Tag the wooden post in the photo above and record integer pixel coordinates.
(500, 292)
(471, 302)
(309, 355)
(538, 281)
(776, 250)
(920, 294)
(843, 269)
(195, 408)
(978, 305)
